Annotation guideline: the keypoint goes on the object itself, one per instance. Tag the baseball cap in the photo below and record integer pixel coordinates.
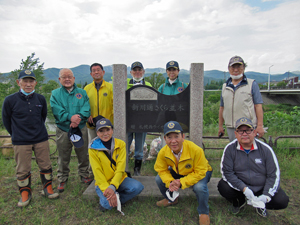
(172, 126)
(136, 64)
(243, 121)
(75, 136)
(236, 60)
(26, 73)
(103, 123)
(172, 64)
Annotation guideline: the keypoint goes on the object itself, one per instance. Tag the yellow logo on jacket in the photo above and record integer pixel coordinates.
(78, 95)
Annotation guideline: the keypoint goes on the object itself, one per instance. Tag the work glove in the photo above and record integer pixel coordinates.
(249, 194)
(264, 198)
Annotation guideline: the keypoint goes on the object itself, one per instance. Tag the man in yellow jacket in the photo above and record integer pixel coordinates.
(182, 164)
(100, 95)
(108, 161)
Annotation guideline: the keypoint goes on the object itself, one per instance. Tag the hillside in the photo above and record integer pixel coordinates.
(82, 74)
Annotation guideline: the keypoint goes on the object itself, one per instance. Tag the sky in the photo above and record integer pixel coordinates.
(69, 33)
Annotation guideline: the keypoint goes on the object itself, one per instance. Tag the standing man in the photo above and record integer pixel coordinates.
(182, 164)
(71, 109)
(108, 161)
(250, 171)
(24, 114)
(240, 97)
(137, 72)
(172, 86)
(100, 94)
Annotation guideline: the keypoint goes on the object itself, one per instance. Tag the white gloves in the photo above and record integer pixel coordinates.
(264, 198)
(249, 194)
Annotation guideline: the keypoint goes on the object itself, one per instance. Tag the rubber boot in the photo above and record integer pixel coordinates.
(46, 177)
(24, 184)
(137, 167)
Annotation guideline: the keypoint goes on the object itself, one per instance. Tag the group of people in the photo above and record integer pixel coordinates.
(84, 118)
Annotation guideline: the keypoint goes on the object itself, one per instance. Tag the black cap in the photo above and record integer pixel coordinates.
(103, 123)
(172, 127)
(75, 136)
(26, 73)
(136, 64)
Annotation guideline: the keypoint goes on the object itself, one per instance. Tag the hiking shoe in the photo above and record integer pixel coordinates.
(25, 199)
(236, 209)
(204, 219)
(262, 212)
(61, 187)
(86, 180)
(165, 203)
(48, 192)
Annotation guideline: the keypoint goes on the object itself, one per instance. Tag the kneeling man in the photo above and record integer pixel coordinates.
(182, 164)
(250, 170)
(108, 161)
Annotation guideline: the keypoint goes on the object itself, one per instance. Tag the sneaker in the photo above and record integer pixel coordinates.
(62, 186)
(204, 219)
(86, 180)
(48, 192)
(262, 212)
(165, 203)
(236, 209)
(25, 199)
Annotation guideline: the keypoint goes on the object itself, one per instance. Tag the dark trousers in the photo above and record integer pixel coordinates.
(279, 201)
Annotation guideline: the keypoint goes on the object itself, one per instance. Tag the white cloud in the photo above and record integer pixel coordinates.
(67, 33)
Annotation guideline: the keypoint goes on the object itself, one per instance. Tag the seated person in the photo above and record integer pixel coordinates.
(182, 164)
(108, 161)
(250, 172)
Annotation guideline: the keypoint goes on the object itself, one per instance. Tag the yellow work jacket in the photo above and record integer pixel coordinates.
(101, 101)
(192, 164)
(105, 173)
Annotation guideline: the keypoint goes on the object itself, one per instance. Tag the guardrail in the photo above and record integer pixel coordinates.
(270, 141)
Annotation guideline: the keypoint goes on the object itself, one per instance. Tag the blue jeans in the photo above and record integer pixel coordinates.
(139, 144)
(200, 189)
(128, 189)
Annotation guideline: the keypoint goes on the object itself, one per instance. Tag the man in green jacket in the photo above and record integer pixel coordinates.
(172, 86)
(137, 72)
(71, 109)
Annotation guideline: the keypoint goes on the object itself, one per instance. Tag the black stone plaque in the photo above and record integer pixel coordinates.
(147, 110)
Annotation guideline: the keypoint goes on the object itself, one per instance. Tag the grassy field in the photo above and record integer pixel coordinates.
(72, 208)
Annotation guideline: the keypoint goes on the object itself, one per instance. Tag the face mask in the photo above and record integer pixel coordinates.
(236, 77)
(137, 79)
(26, 93)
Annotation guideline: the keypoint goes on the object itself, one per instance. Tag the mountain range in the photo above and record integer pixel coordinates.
(82, 74)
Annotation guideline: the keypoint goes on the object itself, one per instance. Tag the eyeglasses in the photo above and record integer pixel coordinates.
(248, 131)
(64, 78)
(137, 69)
(97, 70)
(236, 66)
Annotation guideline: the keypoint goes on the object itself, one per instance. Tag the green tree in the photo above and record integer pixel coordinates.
(155, 79)
(30, 63)
(281, 84)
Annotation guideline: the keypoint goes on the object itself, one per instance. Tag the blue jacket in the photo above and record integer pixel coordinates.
(24, 118)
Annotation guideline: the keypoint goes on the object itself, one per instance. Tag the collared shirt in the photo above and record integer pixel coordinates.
(177, 156)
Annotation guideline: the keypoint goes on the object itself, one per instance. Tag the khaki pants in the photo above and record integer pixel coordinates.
(64, 147)
(23, 154)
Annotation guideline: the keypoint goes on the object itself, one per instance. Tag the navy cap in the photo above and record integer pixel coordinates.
(243, 121)
(136, 64)
(103, 123)
(172, 126)
(75, 136)
(172, 64)
(26, 73)
(236, 60)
